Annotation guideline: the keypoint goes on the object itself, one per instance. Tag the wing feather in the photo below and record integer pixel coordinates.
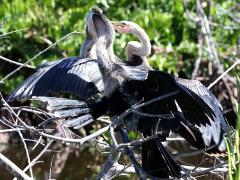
(73, 75)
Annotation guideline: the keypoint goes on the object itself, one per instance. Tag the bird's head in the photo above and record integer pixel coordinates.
(100, 27)
(124, 26)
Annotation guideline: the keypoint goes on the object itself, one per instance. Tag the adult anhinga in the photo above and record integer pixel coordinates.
(77, 75)
(122, 89)
(204, 136)
(66, 75)
(136, 54)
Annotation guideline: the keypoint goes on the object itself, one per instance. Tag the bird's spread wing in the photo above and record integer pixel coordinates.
(219, 122)
(74, 75)
(198, 88)
(193, 118)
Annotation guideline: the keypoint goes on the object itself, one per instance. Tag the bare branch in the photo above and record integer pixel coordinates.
(203, 170)
(40, 53)
(38, 156)
(24, 29)
(80, 141)
(223, 74)
(12, 112)
(12, 130)
(137, 142)
(13, 168)
(16, 63)
(26, 151)
(190, 16)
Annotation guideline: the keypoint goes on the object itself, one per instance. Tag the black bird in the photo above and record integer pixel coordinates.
(136, 55)
(76, 75)
(194, 118)
(123, 88)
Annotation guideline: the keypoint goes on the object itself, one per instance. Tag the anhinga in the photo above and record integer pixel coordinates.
(198, 118)
(66, 75)
(193, 118)
(136, 54)
(77, 75)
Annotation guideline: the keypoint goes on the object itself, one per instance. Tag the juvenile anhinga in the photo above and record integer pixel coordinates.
(123, 89)
(136, 52)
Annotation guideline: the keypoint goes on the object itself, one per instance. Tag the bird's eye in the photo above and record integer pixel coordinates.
(124, 24)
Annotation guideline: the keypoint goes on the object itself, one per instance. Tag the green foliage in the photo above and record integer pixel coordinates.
(233, 148)
(164, 21)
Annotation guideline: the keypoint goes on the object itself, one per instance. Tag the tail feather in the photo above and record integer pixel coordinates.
(157, 161)
(78, 113)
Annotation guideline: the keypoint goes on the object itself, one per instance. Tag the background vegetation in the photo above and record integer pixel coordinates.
(174, 35)
(171, 31)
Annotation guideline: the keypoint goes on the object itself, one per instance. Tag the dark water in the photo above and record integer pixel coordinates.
(82, 163)
(79, 164)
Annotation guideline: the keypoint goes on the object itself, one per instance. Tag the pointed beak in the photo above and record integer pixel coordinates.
(97, 10)
(90, 25)
(115, 24)
(90, 22)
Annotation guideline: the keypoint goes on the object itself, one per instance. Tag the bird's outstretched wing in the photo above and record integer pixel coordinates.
(195, 115)
(73, 75)
(198, 88)
(219, 122)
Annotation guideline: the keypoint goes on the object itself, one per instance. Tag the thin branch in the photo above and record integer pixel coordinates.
(19, 132)
(137, 142)
(175, 139)
(40, 53)
(208, 37)
(34, 161)
(38, 142)
(38, 156)
(204, 170)
(16, 63)
(26, 151)
(12, 130)
(80, 141)
(190, 16)
(193, 153)
(12, 112)
(223, 74)
(50, 169)
(200, 49)
(13, 168)
(2, 35)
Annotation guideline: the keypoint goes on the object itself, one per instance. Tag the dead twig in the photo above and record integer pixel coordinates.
(224, 73)
(16, 63)
(24, 29)
(40, 53)
(13, 168)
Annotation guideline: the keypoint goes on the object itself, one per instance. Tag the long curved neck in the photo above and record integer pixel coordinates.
(145, 46)
(105, 56)
(111, 74)
(87, 48)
